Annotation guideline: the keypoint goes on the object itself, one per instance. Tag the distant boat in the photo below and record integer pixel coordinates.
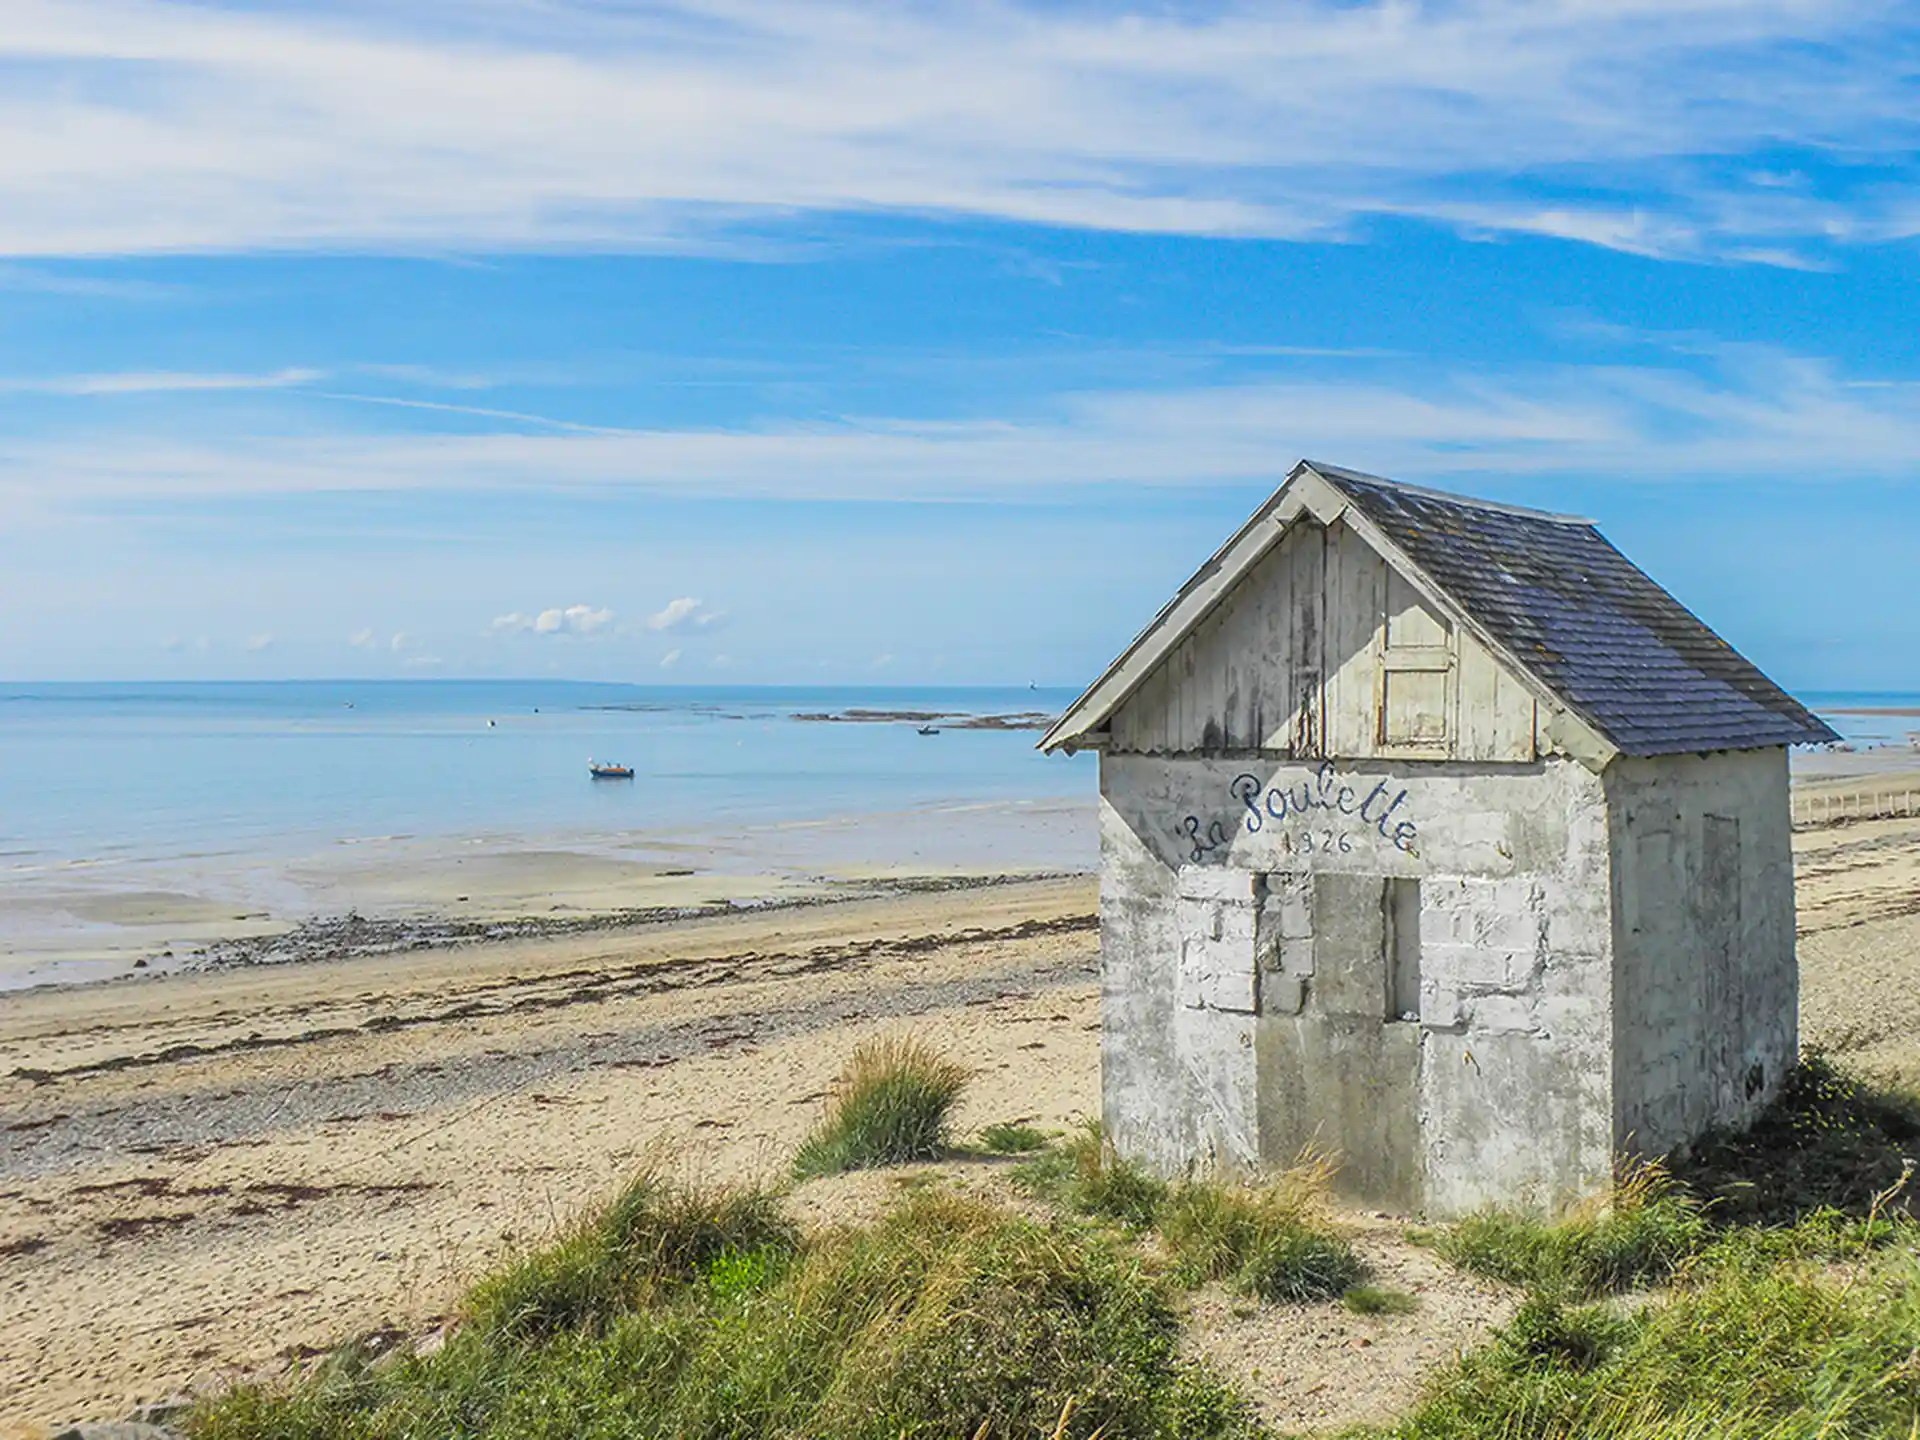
(929, 730)
(609, 771)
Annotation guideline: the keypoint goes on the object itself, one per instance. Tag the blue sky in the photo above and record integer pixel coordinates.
(924, 341)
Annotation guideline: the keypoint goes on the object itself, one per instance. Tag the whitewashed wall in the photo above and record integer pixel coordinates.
(1514, 1042)
(1705, 971)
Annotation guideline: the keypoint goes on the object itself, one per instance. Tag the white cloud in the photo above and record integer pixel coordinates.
(152, 125)
(1696, 411)
(558, 620)
(154, 382)
(881, 662)
(363, 640)
(257, 643)
(686, 613)
(670, 659)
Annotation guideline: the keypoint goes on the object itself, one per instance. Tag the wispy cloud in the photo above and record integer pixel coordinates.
(152, 382)
(442, 125)
(480, 411)
(41, 280)
(1691, 409)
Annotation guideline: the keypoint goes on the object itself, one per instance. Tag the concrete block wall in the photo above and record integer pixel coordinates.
(1705, 969)
(1508, 1071)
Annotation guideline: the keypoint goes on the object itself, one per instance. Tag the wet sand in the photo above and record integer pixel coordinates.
(85, 922)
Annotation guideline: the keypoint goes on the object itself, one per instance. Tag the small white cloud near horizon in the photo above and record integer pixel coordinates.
(573, 620)
(882, 661)
(670, 659)
(720, 662)
(363, 639)
(256, 643)
(683, 614)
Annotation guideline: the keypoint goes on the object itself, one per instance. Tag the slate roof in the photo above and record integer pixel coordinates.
(1587, 622)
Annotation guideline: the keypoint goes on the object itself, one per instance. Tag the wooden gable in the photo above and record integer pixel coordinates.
(1323, 647)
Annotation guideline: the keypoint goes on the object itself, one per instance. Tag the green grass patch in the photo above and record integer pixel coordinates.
(1378, 1300)
(1829, 1141)
(1085, 1175)
(948, 1318)
(657, 1235)
(890, 1107)
(1638, 1235)
(1007, 1139)
(1746, 1347)
(1270, 1242)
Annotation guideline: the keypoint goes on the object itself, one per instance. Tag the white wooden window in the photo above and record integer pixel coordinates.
(1417, 668)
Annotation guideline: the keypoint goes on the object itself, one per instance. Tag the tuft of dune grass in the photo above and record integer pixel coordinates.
(1378, 1300)
(1271, 1241)
(1830, 1140)
(1085, 1174)
(948, 1317)
(1005, 1138)
(656, 1235)
(1637, 1234)
(890, 1106)
(1748, 1347)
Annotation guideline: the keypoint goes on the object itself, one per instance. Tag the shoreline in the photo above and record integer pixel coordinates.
(71, 927)
(334, 939)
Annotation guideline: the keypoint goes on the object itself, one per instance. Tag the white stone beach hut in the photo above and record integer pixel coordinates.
(1436, 835)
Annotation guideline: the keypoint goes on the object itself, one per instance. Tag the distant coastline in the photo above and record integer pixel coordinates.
(947, 719)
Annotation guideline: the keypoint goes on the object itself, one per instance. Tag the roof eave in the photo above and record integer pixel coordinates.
(1191, 604)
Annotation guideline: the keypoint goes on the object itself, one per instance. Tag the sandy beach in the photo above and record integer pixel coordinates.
(217, 1172)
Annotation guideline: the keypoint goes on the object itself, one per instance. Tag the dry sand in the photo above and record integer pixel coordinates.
(209, 1174)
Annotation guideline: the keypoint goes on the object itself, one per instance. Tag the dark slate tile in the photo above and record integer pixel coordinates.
(1591, 625)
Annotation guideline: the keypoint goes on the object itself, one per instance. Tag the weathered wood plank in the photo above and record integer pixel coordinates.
(1303, 655)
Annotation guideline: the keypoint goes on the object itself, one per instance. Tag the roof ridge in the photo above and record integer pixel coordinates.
(1340, 472)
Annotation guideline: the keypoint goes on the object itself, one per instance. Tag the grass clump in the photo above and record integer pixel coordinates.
(655, 1236)
(1747, 1348)
(890, 1107)
(948, 1317)
(1639, 1234)
(1084, 1174)
(1008, 1139)
(1269, 1242)
(1828, 1141)
(1378, 1300)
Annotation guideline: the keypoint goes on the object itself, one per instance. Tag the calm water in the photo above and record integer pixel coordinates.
(105, 772)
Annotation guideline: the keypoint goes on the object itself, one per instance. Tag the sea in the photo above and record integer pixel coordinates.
(181, 787)
(97, 772)
(256, 799)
